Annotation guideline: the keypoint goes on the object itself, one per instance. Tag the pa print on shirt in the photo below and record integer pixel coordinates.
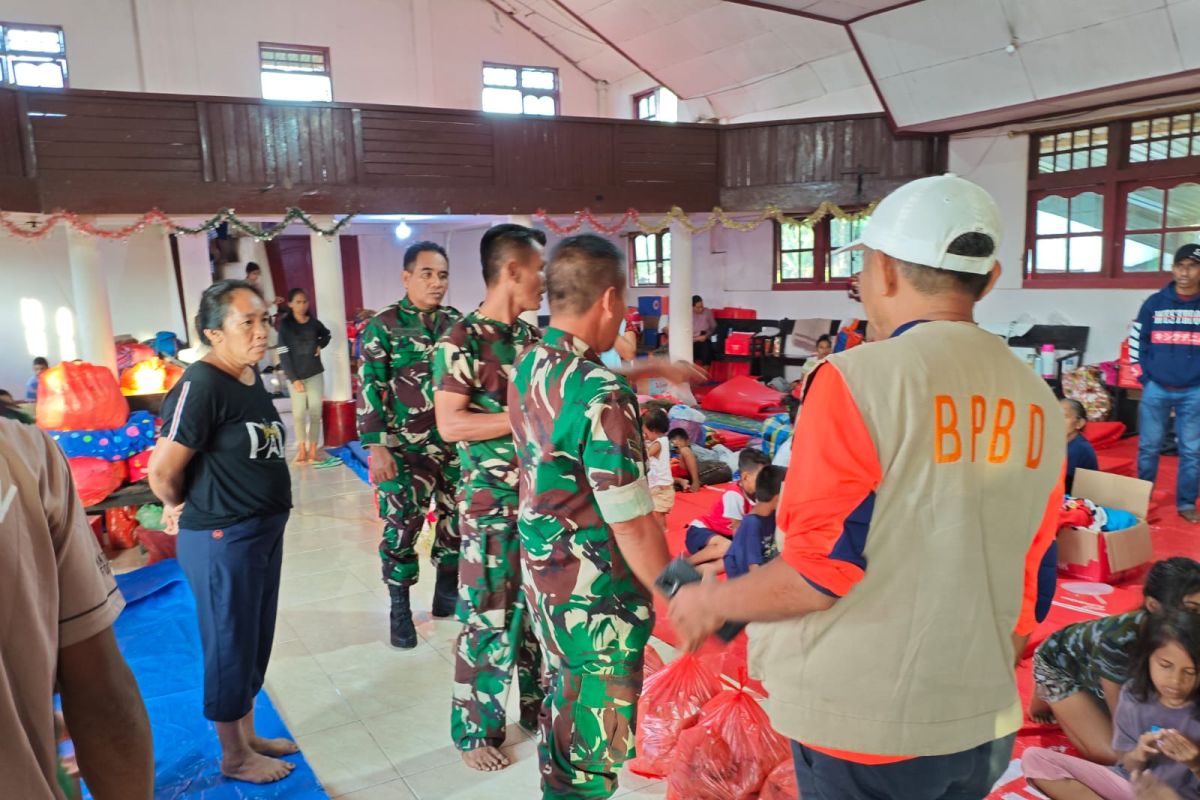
(266, 440)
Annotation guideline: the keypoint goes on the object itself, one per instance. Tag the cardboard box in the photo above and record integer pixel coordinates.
(1103, 556)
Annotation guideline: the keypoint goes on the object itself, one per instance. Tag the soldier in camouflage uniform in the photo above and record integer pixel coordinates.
(411, 466)
(471, 370)
(590, 542)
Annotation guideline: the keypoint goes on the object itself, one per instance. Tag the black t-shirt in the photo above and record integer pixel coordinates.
(239, 469)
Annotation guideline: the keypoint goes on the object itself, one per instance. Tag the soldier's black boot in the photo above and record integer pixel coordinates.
(404, 633)
(445, 592)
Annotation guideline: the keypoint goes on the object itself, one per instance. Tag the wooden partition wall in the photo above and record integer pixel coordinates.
(109, 152)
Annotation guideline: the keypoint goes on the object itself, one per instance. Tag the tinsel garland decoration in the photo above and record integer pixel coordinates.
(38, 227)
(718, 216)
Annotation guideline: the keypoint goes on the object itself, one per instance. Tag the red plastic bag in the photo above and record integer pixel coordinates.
(781, 783)
(728, 753)
(121, 524)
(653, 663)
(139, 465)
(77, 396)
(96, 479)
(671, 702)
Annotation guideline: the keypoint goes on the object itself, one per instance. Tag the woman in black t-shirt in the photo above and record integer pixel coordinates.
(219, 469)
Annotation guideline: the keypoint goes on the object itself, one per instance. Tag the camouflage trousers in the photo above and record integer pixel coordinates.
(497, 633)
(421, 479)
(592, 678)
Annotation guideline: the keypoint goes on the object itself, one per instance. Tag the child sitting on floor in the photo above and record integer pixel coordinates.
(753, 542)
(658, 462)
(708, 538)
(1078, 671)
(700, 472)
(1080, 453)
(1157, 724)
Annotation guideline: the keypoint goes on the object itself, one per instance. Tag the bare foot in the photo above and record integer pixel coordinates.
(273, 747)
(1039, 711)
(256, 768)
(485, 759)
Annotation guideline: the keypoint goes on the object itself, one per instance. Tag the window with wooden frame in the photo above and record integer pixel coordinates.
(33, 55)
(295, 72)
(1159, 219)
(650, 259)
(804, 255)
(1110, 204)
(656, 105)
(509, 89)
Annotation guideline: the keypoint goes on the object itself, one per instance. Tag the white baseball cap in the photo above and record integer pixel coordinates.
(918, 221)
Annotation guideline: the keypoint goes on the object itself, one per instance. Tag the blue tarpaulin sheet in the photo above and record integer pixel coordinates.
(354, 456)
(158, 635)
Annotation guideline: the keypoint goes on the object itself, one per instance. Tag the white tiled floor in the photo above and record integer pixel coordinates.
(373, 721)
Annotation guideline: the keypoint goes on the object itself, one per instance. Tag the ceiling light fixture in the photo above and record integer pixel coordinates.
(403, 231)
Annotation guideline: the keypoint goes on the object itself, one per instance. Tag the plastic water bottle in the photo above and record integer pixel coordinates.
(1049, 368)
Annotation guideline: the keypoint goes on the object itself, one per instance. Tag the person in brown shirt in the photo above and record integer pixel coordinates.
(60, 601)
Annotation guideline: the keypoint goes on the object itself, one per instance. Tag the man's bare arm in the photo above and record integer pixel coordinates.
(457, 423)
(106, 719)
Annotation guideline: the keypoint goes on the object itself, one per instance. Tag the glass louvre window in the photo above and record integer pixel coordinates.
(532, 91)
(295, 72)
(1166, 137)
(33, 56)
(651, 259)
(1070, 150)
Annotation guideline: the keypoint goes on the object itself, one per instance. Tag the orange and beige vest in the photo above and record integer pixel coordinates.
(916, 659)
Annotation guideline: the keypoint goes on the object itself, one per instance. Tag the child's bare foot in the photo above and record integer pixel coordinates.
(273, 747)
(485, 759)
(255, 768)
(1039, 711)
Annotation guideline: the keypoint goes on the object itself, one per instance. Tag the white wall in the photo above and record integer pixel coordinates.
(36, 276)
(381, 256)
(396, 52)
(101, 46)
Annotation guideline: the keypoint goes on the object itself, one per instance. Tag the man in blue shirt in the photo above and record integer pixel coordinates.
(1165, 342)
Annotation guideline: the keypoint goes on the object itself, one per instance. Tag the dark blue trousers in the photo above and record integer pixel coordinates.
(968, 775)
(234, 575)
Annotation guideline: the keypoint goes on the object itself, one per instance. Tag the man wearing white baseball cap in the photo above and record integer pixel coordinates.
(932, 465)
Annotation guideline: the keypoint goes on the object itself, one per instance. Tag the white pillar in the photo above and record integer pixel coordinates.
(195, 272)
(93, 314)
(525, 219)
(679, 318)
(330, 288)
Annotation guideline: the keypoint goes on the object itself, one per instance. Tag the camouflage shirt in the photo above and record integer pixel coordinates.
(395, 405)
(581, 455)
(475, 359)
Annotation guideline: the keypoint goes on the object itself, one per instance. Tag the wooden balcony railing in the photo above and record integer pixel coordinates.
(109, 152)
